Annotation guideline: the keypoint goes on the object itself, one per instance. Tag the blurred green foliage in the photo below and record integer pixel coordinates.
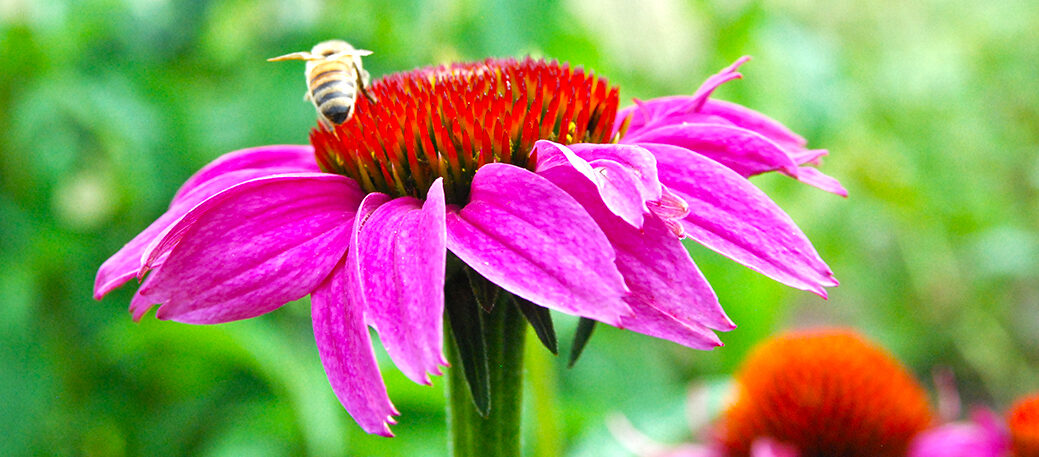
(930, 110)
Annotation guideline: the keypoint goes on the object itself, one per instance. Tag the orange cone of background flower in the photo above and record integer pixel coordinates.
(1023, 420)
(825, 393)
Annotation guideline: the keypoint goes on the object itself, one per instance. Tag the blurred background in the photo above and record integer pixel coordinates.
(930, 110)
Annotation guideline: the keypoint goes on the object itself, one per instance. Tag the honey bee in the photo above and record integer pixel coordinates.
(334, 75)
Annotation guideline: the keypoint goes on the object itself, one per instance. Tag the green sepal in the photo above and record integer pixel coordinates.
(541, 320)
(584, 332)
(486, 292)
(466, 322)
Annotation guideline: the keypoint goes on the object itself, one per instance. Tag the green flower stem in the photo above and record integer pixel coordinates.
(545, 441)
(498, 434)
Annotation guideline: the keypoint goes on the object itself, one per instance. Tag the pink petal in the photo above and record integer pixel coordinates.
(662, 111)
(661, 275)
(528, 236)
(226, 171)
(669, 297)
(402, 256)
(808, 156)
(252, 248)
(637, 162)
(729, 215)
(290, 158)
(749, 119)
(346, 353)
(716, 80)
(768, 447)
(816, 178)
(625, 178)
(984, 436)
(139, 304)
(659, 112)
(649, 320)
(742, 150)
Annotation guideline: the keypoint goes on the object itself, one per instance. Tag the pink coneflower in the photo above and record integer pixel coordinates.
(811, 393)
(986, 434)
(514, 167)
(1023, 421)
(824, 393)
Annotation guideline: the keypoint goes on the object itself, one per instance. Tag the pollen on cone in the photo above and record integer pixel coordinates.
(827, 393)
(1023, 420)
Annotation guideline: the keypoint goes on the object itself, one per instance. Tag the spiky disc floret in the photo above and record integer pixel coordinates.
(828, 393)
(448, 121)
(1023, 420)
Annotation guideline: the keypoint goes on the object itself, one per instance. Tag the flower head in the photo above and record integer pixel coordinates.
(1023, 420)
(523, 170)
(824, 393)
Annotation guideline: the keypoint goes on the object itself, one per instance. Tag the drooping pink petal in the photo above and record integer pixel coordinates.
(658, 112)
(731, 216)
(402, 256)
(625, 175)
(638, 163)
(287, 158)
(749, 119)
(139, 304)
(816, 178)
(669, 296)
(347, 355)
(252, 248)
(715, 81)
(984, 436)
(671, 209)
(742, 150)
(649, 114)
(651, 321)
(226, 171)
(526, 235)
(768, 447)
(808, 156)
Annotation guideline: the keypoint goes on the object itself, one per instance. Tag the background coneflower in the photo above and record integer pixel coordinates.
(1023, 419)
(826, 393)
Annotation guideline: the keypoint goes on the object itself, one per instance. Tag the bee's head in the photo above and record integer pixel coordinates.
(336, 49)
(331, 47)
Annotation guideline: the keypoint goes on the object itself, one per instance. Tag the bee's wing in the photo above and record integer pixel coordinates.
(295, 56)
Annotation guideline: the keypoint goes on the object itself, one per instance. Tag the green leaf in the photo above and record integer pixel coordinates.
(584, 332)
(541, 320)
(466, 322)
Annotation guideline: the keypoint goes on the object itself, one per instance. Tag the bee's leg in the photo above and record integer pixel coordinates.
(306, 96)
(362, 84)
(368, 95)
(325, 123)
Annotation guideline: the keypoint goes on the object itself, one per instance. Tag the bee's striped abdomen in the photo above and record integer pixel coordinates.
(333, 89)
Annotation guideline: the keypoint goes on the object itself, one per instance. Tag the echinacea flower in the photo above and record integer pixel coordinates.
(1023, 421)
(986, 434)
(824, 393)
(809, 393)
(523, 170)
